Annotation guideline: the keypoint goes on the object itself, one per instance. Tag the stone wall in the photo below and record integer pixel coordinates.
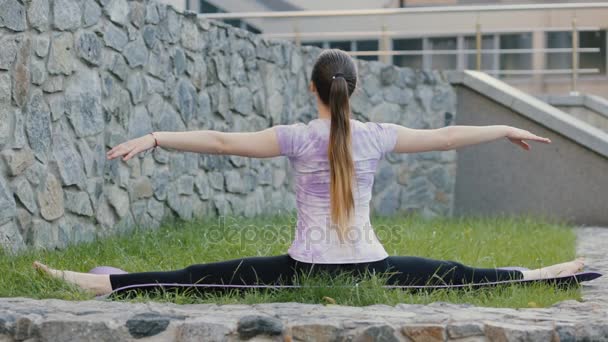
(78, 77)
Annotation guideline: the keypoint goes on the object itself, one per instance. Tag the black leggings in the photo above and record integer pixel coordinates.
(281, 269)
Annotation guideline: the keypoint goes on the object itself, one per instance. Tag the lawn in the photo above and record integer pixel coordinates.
(484, 242)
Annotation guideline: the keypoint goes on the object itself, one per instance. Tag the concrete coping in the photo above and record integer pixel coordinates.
(595, 103)
(533, 108)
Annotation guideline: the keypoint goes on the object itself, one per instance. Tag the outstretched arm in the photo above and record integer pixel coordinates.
(261, 144)
(453, 137)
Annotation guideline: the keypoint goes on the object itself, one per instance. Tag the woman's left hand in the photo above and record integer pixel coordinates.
(518, 137)
(132, 147)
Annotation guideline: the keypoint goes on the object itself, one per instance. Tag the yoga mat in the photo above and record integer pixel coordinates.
(565, 280)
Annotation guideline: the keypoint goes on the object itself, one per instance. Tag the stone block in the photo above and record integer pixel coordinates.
(38, 14)
(12, 15)
(50, 199)
(18, 160)
(67, 15)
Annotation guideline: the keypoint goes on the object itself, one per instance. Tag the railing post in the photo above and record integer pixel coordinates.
(478, 44)
(385, 46)
(573, 90)
(296, 34)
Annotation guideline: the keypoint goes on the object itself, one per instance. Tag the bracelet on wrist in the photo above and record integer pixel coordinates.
(155, 140)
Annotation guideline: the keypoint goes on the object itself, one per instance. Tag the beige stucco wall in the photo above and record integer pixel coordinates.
(562, 180)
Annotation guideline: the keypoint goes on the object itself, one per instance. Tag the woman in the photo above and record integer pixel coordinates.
(334, 158)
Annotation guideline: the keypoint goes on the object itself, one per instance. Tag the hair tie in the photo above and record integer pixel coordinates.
(339, 74)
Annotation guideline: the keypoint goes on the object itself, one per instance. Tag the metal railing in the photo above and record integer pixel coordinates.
(384, 34)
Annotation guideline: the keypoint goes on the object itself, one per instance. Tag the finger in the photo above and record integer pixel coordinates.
(121, 150)
(524, 145)
(539, 139)
(131, 154)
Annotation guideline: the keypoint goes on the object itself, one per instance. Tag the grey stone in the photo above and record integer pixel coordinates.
(179, 61)
(66, 14)
(91, 13)
(156, 209)
(38, 125)
(68, 160)
(53, 84)
(464, 329)
(253, 325)
(38, 14)
(5, 88)
(169, 27)
(136, 87)
(115, 37)
(160, 183)
(118, 11)
(241, 100)
(440, 177)
(139, 124)
(57, 105)
(136, 53)
(78, 202)
(203, 331)
(10, 240)
(137, 14)
(147, 324)
(118, 199)
(42, 235)
(36, 173)
(104, 215)
(23, 191)
(152, 14)
(159, 65)
(216, 180)
(398, 95)
(190, 36)
(8, 52)
(12, 15)
(19, 137)
(37, 72)
(181, 204)
(21, 75)
(41, 45)
(7, 117)
(386, 112)
(185, 99)
(83, 103)
(387, 202)
(8, 208)
(141, 187)
(50, 199)
(185, 185)
(234, 182)
(149, 35)
(201, 185)
(88, 47)
(118, 66)
(60, 58)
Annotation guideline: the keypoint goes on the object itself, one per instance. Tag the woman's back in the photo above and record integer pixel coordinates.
(307, 148)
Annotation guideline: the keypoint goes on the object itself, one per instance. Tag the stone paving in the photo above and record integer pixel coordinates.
(57, 320)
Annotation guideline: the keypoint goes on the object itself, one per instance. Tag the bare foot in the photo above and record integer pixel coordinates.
(557, 270)
(96, 283)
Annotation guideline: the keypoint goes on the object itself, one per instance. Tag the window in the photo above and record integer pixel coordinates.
(342, 45)
(446, 59)
(367, 45)
(487, 59)
(317, 44)
(207, 7)
(587, 60)
(559, 40)
(412, 61)
(593, 60)
(516, 61)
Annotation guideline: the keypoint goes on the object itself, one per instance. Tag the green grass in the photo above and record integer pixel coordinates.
(483, 242)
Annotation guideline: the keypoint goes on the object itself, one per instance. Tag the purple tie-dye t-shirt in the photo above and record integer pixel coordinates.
(306, 147)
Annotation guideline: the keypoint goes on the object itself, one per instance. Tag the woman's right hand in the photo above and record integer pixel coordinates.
(518, 137)
(130, 148)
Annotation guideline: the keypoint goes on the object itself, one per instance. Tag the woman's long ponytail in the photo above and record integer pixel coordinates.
(340, 155)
